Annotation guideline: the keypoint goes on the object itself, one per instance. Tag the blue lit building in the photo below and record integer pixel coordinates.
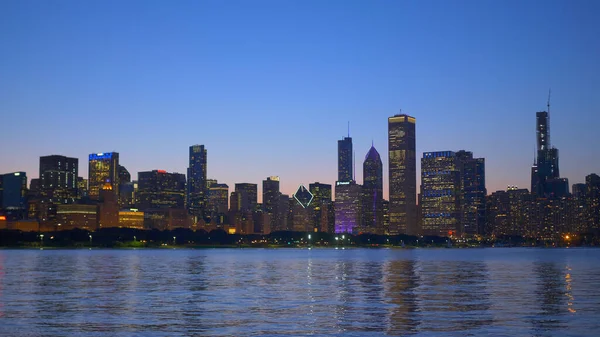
(103, 169)
(197, 191)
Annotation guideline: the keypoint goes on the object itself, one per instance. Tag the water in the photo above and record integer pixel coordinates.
(270, 292)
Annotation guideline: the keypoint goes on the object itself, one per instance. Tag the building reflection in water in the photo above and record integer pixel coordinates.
(452, 296)
(400, 282)
(551, 297)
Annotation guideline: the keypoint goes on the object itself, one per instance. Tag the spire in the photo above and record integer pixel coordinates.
(348, 129)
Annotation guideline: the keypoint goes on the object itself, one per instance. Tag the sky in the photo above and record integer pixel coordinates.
(270, 86)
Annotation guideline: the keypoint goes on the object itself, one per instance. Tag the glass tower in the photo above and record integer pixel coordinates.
(196, 181)
(402, 175)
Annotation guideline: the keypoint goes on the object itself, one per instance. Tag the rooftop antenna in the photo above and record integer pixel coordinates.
(348, 129)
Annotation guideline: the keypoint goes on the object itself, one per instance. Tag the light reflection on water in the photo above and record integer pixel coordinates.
(351, 292)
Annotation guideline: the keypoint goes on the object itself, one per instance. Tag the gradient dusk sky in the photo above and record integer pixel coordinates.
(269, 86)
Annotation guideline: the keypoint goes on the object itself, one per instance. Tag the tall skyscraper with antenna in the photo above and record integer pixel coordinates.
(545, 174)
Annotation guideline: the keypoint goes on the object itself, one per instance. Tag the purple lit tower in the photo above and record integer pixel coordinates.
(347, 192)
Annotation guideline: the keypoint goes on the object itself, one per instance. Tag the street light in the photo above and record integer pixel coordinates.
(174, 239)
(90, 239)
(42, 239)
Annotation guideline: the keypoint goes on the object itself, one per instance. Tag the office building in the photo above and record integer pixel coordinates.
(440, 194)
(246, 197)
(472, 192)
(108, 207)
(70, 216)
(58, 179)
(345, 161)
(160, 189)
(545, 174)
(592, 183)
(322, 206)
(402, 174)
(218, 202)
(196, 183)
(372, 193)
(14, 193)
(131, 218)
(302, 212)
(347, 207)
(103, 168)
(578, 191)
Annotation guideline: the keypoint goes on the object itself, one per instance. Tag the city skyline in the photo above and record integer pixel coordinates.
(471, 82)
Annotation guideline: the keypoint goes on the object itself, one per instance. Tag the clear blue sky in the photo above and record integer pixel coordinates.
(268, 86)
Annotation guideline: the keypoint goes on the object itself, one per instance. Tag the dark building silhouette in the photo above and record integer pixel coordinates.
(218, 199)
(372, 193)
(58, 179)
(160, 189)
(108, 207)
(196, 180)
(578, 190)
(402, 174)
(345, 159)
(270, 192)
(473, 192)
(14, 193)
(545, 174)
(245, 197)
(103, 168)
(592, 183)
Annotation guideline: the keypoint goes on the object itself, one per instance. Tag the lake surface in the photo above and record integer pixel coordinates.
(294, 292)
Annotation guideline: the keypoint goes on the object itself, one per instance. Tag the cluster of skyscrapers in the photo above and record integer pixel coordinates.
(453, 199)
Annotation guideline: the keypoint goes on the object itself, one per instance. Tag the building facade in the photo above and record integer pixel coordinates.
(196, 180)
(58, 179)
(372, 193)
(103, 168)
(160, 189)
(402, 175)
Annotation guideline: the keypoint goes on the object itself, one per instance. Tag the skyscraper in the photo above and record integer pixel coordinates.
(372, 193)
(14, 192)
(345, 159)
(545, 174)
(58, 179)
(402, 174)
(247, 196)
(103, 168)
(440, 194)
(270, 192)
(322, 206)
(160, 189)
(196, 184)
(473, 192)
(347, 207)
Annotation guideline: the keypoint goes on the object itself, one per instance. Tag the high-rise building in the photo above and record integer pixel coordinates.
(440, 194)
(402, 174)
(160, 189)
(14, 192)
(196, 183)
(372, 193)
(302, 210)
(270, 192)
(103, 168)
(473, 192)
(247, 197)
(345, 159)
(592, 183)
(218, 197)
(322, 206)
(545, 174)
(508, 213)
(578, 191)
(58, 179)
(108, 207)
(347, 207)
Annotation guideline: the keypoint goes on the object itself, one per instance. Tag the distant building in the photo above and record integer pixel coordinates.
(545, 174)
(247, 197)
(592, 183)
(578, 190)
(271, 196)
(440, 194)
(472, 192)
(347, 207)
(196, 183)
(218, 202)
(302, 212)
(160, 189)
(372, 193)
(103, 168)
(14, 193)
(509, 213)
(131, 218)
(58, 179)
(345, 155)
(108, 207)
(402, 175)
(72, 216)
(322, 206)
